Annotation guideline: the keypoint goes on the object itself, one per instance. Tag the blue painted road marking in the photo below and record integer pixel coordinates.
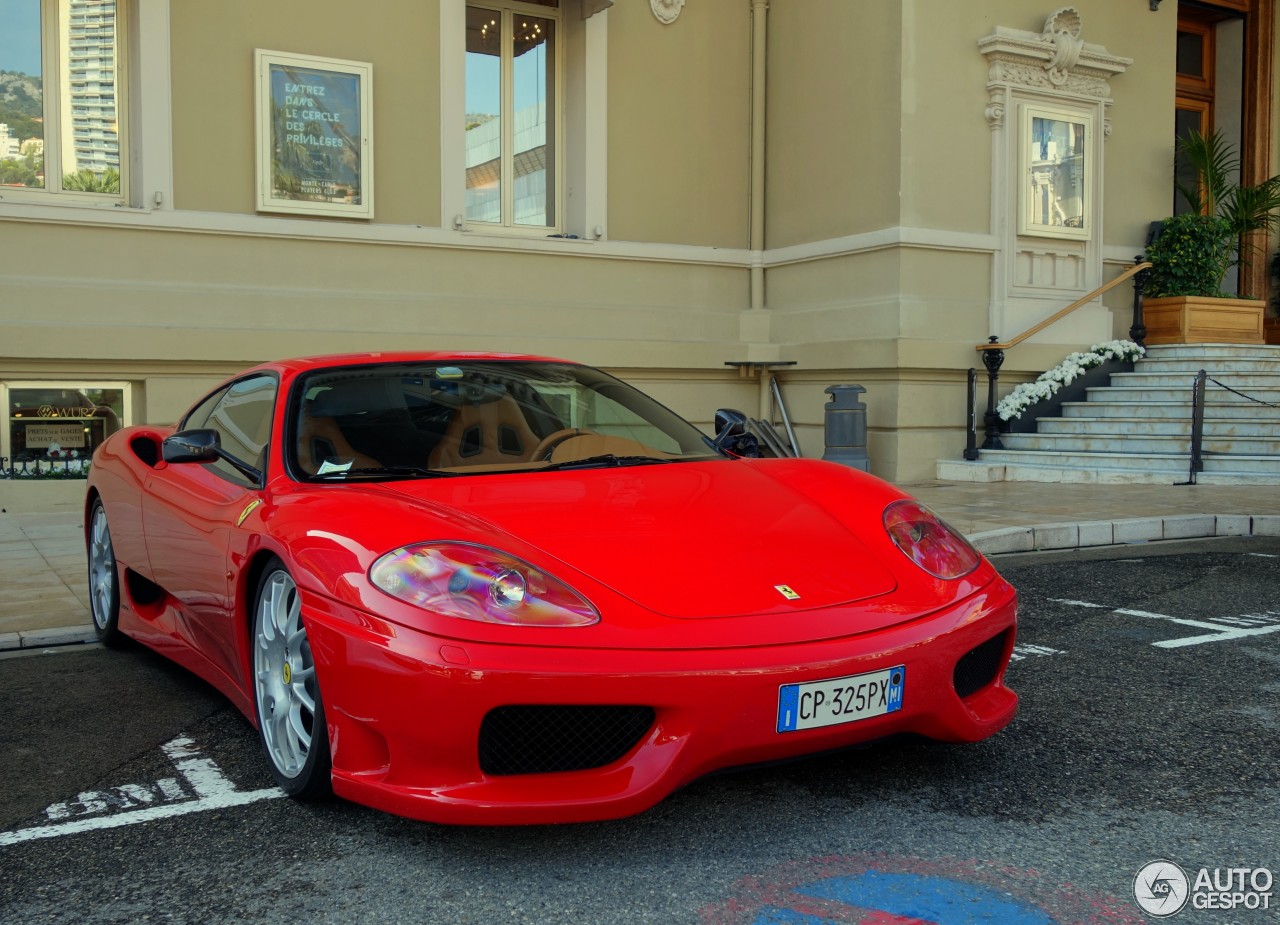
(917, 897)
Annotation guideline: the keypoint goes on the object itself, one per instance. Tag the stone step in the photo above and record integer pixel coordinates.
(1111, 394)
(1120, 427)
(1219, 351)
(1218, 368)
(1171, 410)
(986, 470)
(1143, 445)
(1240, 381)
(1244, 466)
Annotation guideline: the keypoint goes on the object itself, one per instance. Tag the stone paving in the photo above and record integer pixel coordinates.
(44, 597)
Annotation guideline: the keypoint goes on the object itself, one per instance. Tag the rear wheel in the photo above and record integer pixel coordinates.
(290, 711)
(104, 577)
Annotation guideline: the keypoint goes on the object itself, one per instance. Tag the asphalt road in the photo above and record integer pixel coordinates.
(1149, 729)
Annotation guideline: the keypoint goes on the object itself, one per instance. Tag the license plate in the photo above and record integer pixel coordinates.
(840, 700)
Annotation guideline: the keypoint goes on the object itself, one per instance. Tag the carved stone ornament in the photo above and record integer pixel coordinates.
(1062, 31)
(1056, 59)
(666, 10)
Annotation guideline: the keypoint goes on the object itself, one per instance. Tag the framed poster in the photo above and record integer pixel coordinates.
(1055, 195)
(314, 135)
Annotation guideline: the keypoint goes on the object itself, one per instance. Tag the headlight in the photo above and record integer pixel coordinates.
(928, 542)
(475, 582)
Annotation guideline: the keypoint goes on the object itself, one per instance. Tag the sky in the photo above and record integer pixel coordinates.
(20, 36)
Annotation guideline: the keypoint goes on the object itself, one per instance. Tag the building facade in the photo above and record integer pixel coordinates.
(843, 192)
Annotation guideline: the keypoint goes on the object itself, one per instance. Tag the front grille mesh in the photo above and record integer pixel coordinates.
(537, 739)
(978, 667)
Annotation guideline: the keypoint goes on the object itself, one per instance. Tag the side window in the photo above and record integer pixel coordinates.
(199, 416)
(242, 417)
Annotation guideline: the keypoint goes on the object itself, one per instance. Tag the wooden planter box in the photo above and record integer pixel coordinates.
(1271, 329)
(1201, 320)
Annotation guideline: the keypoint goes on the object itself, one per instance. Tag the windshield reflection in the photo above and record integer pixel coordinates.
(463, 418)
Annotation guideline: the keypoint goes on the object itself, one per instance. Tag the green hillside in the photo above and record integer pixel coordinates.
(21, 105)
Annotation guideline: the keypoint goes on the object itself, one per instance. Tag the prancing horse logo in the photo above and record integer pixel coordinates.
(787, 592)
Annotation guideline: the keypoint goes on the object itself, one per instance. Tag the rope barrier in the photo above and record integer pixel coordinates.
(1242, 394)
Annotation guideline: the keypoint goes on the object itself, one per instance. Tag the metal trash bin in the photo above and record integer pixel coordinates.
(845, 427)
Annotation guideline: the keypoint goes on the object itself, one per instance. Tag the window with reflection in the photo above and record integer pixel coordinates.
(1056, 172)
(59, 112)
(512, 97)
(59, 423)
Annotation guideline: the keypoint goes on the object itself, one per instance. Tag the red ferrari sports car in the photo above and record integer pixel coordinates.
(478, 588)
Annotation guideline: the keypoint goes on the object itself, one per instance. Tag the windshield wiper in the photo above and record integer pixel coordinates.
(604, 461)
(393, 472)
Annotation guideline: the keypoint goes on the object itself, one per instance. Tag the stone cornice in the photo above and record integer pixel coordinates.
(1027, 59)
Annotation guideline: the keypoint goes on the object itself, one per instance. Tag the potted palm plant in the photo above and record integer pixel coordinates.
(1192, 253)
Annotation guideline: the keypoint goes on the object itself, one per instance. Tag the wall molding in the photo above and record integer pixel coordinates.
(298, 229)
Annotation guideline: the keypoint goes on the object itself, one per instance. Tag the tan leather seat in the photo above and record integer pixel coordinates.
(486, 433)
(320, 440)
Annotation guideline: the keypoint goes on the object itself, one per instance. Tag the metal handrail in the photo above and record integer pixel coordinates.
(993, 351)
(1101, 290)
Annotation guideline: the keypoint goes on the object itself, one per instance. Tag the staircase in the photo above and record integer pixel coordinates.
(1138, 429)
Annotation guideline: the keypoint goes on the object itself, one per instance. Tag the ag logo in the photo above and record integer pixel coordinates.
(1161, 888)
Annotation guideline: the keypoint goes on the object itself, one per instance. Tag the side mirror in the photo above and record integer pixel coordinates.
(729, 423)
(192, 446)
(203, 446)
(733, 434)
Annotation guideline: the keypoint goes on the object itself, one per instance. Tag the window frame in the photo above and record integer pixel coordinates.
(268, 200)
(54, 78)
(1029, 112)
(507, 225)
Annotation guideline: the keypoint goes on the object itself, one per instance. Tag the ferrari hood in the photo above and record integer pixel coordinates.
(688, 540)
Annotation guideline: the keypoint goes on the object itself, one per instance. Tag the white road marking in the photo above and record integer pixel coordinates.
(1027, 650)
(1225, 627)
(213, 791)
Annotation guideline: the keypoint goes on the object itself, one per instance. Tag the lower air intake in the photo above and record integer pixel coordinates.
(535, 739)
(979, 666)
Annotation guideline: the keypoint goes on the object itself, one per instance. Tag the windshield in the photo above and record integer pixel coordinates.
(470, 417)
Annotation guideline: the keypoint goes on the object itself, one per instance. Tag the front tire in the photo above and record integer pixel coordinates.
(291, 720)
(104, 577)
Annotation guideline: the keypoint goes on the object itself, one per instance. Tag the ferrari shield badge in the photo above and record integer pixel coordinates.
(787, 592)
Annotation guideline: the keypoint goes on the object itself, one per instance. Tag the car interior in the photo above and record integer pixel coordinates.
(358, 421)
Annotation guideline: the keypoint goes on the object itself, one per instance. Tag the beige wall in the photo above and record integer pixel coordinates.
(679, 124)
(834, 147)
(212, 47)
(136, 294)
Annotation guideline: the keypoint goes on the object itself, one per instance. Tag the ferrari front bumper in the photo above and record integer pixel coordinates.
(405, 709)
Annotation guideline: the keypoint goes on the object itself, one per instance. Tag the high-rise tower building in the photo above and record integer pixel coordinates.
(89, 107)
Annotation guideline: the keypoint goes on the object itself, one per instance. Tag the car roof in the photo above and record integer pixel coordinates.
(307, 364)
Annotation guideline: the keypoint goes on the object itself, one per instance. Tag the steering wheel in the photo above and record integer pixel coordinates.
(546, 446)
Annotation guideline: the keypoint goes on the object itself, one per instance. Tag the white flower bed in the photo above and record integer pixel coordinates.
(1074, 366)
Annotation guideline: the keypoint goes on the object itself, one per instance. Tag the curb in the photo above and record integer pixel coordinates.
(40, 639)
(1121, 532)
